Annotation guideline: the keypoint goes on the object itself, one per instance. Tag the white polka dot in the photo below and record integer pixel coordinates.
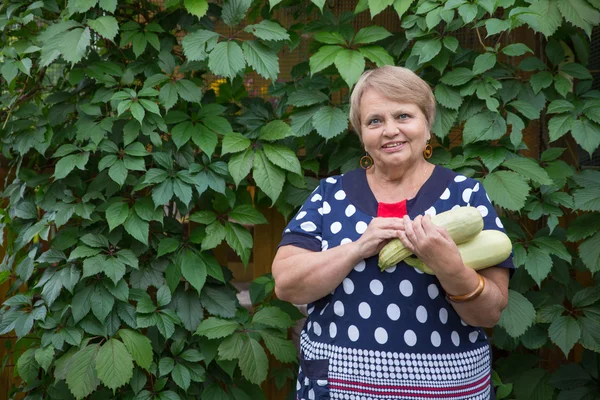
(443, 315)
(430, 211)
(298, 385)
(460, 178)
(473, 336)
(323, 309)
(353, 333)
(320, 210)
(332, 330)
(336, 227)
(381, 336)
(436, 339)
(456, 206)
(376, 287)
(393, 312)
(317, 329)
(346, 241)
(418, 271)
(445, 195)
(340, 195)
(288, 230)
(364, 309)
(463, 323)
(390, 269)
(499, 223)
(406, 288)
(466, 196)
(422, 314)
(306, 382)
(311, 394)
(360, 267)
(350, 210)
(316, 197)
(338, 308)
(301, 215)
(483, 210)
(308, 226)
(433, 291)
(322, 382)
(348, 286)
(361, 227)
(324, 245)
(326, 208)
(476, 187)
(331, 180)
(455, 338)
(410, 338)
(310, 310)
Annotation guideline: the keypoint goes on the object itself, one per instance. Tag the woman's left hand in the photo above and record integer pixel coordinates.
(431, 243)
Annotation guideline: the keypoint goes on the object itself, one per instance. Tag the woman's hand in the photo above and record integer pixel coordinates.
(379, 232)
(431, 243)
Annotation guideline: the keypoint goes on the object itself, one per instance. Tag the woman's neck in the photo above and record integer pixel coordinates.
(394, 185)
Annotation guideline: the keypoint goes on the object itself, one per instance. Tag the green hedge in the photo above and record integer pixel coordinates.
(130, 163)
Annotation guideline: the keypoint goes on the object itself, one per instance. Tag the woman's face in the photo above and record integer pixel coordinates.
(393, 133)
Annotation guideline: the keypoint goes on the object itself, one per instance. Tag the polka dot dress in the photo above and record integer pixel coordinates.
(391, 334)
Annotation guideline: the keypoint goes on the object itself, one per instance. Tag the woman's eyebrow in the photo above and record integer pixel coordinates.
(371, 116)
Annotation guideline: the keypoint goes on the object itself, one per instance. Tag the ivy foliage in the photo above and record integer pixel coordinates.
(136, 148)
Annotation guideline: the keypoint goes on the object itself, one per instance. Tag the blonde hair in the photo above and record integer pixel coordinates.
(396, 83)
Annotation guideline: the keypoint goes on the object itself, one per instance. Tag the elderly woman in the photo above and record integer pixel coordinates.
(397, 334)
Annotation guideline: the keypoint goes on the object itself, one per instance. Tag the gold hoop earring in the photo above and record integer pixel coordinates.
(428, 151)
(366, 161)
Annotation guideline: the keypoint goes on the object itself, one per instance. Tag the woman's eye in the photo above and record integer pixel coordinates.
(403, 116)
(374, 121)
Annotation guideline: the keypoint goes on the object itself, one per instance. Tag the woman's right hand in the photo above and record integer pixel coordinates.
(379, 232)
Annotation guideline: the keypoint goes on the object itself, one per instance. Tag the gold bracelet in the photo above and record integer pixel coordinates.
(469, 296)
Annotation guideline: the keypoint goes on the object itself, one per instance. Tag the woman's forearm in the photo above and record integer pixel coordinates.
(303, 276)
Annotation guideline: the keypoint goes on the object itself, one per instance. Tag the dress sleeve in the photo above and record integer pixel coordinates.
(304, 230)
(480, 199)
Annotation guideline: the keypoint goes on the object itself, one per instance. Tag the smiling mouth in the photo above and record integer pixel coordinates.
(392, 145)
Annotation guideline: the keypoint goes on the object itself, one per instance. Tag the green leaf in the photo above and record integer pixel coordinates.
(507, 189)
(564, 332)
(74, 43)
(95, 240)
(268, 30)
(529, 169)
(559, 125)
(181, 376)
(28, 366)
(219, 301)
(576, 71)
(234, 142)
(516, 50)
(493, 26)
(234, 11)
(214, 328)
(401, 6)
(165, 366)
(518, 315)
(377, 54)
(240, 240)
(246, 214)
(193, 269)
(168, 95)
(196, 7)
(486, 125)
(350, 65)
(239, 165)
(427, 49)
(203, 217)
(106, 26)
(44, 357)
(275, 130)
(330, 122)
(582, 227)
(377, 6)
(587, 134)
(532, 384)
(262, 59)
(102, 302)
(586, 297)
(118, 172)
(589, 252)
(138, 346)
(197, 43)
(114, 364)
(448, 97)
(484, 62)
(162, 193)
(306, 97)
(273, 317)
(580, 14)
(540, 81)
(268, 177)
(182, 191)
(167, 245)
(137, 227)
(569, 376)
(116, 214)
(253, 361)
(330, 38)
(587, 199)
(560, 106)
(371, 34)
(227, 58)
(283, 157)
(114, 269)
(323, 58)
(468, 12)
(458, 76)
(538, 264)
(215, 233)
(81, 372)
(282, 349)
(188, 308)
